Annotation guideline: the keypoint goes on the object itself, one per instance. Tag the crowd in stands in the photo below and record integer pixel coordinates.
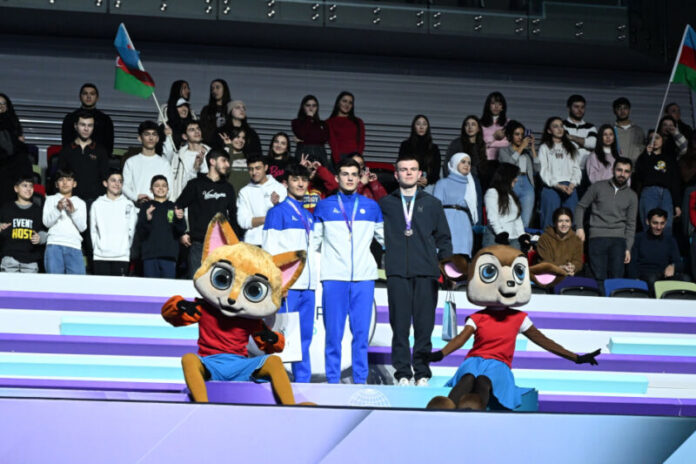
(617, 201)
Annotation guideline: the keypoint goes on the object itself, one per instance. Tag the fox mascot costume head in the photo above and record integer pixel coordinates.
(240, 284)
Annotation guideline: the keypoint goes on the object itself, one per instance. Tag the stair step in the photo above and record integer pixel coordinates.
(125, 327)
(90, 366)
(547, 361)
(653, 346)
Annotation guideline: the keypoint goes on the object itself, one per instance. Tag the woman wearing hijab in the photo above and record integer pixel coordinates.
(459, 198)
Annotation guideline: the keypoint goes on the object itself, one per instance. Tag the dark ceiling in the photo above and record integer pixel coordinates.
(651, 41)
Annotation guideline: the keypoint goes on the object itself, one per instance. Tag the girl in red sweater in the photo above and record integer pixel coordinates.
(346, 132)
(311, 133)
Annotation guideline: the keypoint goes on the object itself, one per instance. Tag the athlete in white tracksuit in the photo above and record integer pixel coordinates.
(346, 223)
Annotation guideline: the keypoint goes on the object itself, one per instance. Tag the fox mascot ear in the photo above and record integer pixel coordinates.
(291, 265)
(546, 274)
(219, 233)
(455, 268)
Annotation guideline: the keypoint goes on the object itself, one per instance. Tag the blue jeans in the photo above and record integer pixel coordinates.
(525, 192)
(59, 259)
(162, 268)
(551, 200)
(342, 299)
(656, 197)
(607, 257)
(302, 301)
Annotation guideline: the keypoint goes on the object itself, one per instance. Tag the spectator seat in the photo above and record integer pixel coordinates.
(626, 288)
(537, 290)
(581, 286)
(51, 151)
(675, 289)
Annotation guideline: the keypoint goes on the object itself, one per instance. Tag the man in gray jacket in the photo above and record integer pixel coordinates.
(612, 222)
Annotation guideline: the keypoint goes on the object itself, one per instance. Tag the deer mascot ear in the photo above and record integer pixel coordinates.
(455, 268)
(219, 233)
(546, 274)
(291, 265)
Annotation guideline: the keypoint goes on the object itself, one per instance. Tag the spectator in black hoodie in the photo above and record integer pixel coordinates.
(103, 126)
(657, 181)
(420, 144)
(160, 225)
(204, 197)
(21, 230)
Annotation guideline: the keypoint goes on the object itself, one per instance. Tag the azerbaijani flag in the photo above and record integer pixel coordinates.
(131, 76)
(684, 70)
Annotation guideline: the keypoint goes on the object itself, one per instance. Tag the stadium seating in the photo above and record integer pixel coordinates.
(581, 286)
(675, 289)
(626, 288)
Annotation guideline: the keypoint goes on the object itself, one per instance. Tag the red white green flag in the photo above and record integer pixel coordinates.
(684, 70)
(131, 76)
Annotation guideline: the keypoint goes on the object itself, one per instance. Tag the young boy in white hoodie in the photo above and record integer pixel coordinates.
(256, 198)
(112, 225)
(65, 216)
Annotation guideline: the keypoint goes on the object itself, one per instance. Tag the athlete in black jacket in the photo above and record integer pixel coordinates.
(416, 234)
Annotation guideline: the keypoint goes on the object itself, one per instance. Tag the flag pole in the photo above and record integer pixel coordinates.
(159, 108)
(669, 84)
(693, 109)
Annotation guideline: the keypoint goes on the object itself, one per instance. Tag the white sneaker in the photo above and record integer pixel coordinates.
(404, 382)
(422, 382)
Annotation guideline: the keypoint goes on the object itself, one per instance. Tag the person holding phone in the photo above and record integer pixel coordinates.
(522, 153)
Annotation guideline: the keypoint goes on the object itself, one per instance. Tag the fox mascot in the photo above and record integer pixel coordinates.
(240, 285)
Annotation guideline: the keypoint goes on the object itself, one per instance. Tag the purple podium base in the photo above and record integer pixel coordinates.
(371, 396)
(105, 432)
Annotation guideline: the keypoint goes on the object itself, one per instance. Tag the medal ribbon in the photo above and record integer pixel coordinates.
(408, 210)
(305, 223)
(345, 215)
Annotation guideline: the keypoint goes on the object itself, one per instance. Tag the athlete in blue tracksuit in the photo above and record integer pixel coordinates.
(346, 223)
(290, 227)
